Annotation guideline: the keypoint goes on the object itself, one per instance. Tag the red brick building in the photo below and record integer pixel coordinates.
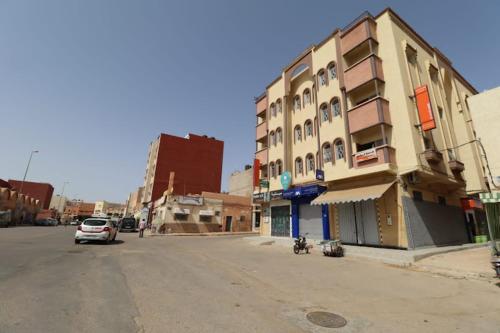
(195, 160)
(39, 191)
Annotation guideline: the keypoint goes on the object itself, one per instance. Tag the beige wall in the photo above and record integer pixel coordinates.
(484, 109)
(241, 183)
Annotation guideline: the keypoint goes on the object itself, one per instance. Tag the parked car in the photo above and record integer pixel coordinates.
(75, 222)
(128, 224)
(5, 218)
(46, 222)
(96, 229)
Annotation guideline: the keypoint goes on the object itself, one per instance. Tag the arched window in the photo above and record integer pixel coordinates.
(272, 138)
(278, 106)
(272, 169)
(309, 163)
(327, 152)
(325, 115)
(279, 135)
(279, 167)
(296, 103)
(299, 167)
(335, 104)
(308, 129)
(273, 110)
(339, 149)
(332, 71)
(322, 78)
(297, 133)
(307, 97)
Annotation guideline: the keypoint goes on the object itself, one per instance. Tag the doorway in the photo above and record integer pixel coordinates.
(358, 223)
(280, 221)
(229, 222)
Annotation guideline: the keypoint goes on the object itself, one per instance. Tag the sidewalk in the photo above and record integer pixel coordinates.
(403, 258)
(224, 233)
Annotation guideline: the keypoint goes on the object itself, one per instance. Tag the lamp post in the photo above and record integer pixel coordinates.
(26, 172)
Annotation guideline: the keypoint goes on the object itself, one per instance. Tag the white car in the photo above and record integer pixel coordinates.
(96, 229)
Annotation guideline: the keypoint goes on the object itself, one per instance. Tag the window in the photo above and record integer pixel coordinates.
(307, 97)
(180, 217)
(272, 169)
(205, 218)
(417, 196)
(278, 106)
(451, 155)
(299, 168)
(321, 78)
(332, 71)
(296, 103)
(273, 110)
(279, 135)
(441, 200)
(339, 150)
(336, 107)
(279, 167)
(272, 138)
(327, 153)
(325, 115)
(308, 129)
(440, 111)
(297, 133)
(309, 163)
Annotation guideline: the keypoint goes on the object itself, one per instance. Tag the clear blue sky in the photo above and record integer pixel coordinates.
(91, 83)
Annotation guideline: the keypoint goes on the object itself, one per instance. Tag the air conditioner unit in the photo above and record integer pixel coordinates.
(413, 178)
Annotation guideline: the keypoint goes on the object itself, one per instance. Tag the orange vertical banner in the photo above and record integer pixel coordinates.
(256, 172)
(424, 108)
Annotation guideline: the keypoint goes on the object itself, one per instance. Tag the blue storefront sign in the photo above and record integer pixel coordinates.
(303, 195)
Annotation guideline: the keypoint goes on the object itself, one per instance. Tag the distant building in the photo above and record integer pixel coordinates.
(109, 208)
(39, 191)
(241, 182)
(16, 208)
(80, 210)
(209, 212)
(58, 203)
(134, 202)
(195, 160)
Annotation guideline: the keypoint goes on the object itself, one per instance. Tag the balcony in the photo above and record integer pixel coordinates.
(261, 106)
(364, 71)
(356, 35)
(433, 156)
(368, 114)
(261, 131)
(456, 166)
(374, 156)
(261, 155)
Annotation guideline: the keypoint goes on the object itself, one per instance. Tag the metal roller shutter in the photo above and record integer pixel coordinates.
(310, 222)
(347, 223)
(370, 225)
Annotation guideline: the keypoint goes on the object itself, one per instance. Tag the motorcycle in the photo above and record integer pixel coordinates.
(495, 262)
(301, 245)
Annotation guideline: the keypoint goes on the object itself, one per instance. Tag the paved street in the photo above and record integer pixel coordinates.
(219, 284)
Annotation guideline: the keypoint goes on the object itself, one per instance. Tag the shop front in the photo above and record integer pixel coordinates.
(307, 219)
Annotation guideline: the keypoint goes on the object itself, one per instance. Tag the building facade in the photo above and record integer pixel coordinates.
(39, 191)
(78, 210)
(109, 208)
(344, 124)
(241, 182)
(58, 203)
(194, 161)
(16, 208)
(134, 202)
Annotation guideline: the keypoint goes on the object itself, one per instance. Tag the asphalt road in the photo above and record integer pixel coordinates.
(219, 284)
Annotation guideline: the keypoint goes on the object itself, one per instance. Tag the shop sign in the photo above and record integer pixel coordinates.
(190, 200)
(310, 190)
(320, 174)
(276, 195)
(261, 197)
(264, 183)
(424, 107)
(366, 155)
(286, 179)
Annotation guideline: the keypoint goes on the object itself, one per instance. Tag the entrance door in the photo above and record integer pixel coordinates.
(311, 222)
(280, 221)
(229, 222)
(257, 220)
(358, 223)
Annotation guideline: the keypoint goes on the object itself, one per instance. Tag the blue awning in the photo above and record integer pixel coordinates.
(303, 191)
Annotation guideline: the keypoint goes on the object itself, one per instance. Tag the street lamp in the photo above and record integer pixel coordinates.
(26, 172)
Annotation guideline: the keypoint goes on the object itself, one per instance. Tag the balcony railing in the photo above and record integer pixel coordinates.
(433, 156)
(261, 155)
(362, 72)
(358, 33)
(261, 131)
(374, 156)
(456, 166)
(368, 114)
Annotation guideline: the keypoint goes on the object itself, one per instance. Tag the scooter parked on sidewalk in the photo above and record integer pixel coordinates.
(301, 245)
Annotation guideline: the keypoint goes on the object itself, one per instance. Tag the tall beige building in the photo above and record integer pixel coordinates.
(343, 120)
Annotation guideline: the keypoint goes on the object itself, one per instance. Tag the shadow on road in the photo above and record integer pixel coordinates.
(115, 242)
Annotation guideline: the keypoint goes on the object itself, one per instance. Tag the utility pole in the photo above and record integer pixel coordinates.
(26, 172)
(60, 197)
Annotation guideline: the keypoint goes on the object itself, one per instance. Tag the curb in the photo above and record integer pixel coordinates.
(205, 234)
